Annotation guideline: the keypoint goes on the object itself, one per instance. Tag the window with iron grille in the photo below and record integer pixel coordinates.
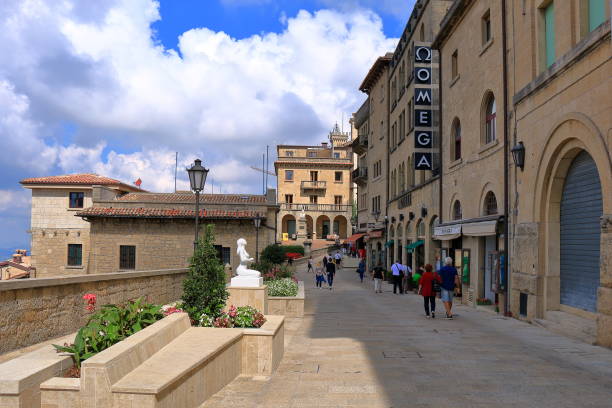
(75, 254)
(127, 257)
(490, 116)
(223, 254)
(490, 204)
(76, 199)
(457, 210)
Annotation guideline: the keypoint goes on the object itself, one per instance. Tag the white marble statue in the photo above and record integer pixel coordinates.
(245, 260)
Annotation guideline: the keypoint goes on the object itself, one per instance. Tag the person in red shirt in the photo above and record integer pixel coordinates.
(429, 282)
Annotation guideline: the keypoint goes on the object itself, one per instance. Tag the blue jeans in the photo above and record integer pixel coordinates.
(330, 279)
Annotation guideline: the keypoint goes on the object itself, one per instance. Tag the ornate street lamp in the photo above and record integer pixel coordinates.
(257, 221)
(197, 179)
(518, 155)
(376, 215)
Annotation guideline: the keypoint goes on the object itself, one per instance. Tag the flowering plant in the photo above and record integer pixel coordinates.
(293, 255)
(242, 316)
(283, 287)
(91, 301)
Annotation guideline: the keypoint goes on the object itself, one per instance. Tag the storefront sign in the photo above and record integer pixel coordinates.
(423, 118)
(448, 230)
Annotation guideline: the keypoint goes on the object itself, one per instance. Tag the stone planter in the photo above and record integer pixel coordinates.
(290, 306)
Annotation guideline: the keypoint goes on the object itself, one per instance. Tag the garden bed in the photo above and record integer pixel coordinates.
(288, 306)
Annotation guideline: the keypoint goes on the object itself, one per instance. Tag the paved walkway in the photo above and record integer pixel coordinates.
(358, 349)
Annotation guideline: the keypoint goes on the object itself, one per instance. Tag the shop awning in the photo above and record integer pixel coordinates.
(375, 234)
(353, 238)
(480, 229)
(414, 245)
(447, 232)
(389, 243)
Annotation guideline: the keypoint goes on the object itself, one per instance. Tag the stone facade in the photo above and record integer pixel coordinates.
(314, 189)
(35, 310)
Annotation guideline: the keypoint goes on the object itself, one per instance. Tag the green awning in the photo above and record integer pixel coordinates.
(411, 247)
(389, 243)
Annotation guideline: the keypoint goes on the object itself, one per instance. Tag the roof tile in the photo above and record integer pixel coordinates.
(77, 179)
(189, 197)
(109, 212)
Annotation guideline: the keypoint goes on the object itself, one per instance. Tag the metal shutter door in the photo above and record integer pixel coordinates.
(581, 209)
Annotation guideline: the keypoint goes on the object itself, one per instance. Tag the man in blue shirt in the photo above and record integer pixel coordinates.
(450, 279)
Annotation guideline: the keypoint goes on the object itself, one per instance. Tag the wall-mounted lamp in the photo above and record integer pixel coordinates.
(518, 155)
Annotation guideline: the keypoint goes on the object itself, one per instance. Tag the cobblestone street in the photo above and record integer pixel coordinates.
(357, 349)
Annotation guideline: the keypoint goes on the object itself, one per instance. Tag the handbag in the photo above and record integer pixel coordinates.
(435, 286)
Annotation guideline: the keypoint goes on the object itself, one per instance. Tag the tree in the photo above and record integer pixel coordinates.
(204, 290)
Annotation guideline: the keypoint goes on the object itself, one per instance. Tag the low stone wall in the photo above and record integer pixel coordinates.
(35, 310)
(290, 306)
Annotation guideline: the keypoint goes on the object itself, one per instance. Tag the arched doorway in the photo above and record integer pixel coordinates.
(340, 224)
(289, 225)
(309, 227)
(580, 212)
(323, 227)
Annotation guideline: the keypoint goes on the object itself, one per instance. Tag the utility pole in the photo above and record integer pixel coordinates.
(267, 168)
(175, 169)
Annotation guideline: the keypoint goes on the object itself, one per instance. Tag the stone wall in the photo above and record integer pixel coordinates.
(50, 251)
(35, 310)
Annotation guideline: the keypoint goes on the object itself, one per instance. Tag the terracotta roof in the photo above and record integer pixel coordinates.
(188, 197)
(78, 179)
(26, 268)
(348, 162)
(109, 212)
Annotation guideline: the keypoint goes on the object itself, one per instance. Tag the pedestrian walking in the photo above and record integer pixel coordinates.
(406, 277)
(429, 285)
(377, 275)
(310, 264)
(324, 261)
(417, 276)
(319, 275)
(361, 269)
(397, 271)
(331, 271)
(338, 259)
(450, 280)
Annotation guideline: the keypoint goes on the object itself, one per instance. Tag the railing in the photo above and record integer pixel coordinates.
(359, 173)
(317, 207)
(312, 184)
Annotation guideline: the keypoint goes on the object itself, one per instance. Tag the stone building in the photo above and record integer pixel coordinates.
(60, 241)
(148, 231)
(413, 152)
(18, 267)
(370, 173)
(471, 46)
(314, 189)
(561, 201)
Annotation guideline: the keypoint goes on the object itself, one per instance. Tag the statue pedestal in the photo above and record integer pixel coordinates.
(246, 281)
(255, 296)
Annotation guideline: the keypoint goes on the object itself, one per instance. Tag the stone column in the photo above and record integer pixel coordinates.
(604, 295)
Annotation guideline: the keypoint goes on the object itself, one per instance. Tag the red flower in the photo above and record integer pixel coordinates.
(91, 301)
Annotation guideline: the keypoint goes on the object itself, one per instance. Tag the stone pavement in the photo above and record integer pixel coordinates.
(355, 348)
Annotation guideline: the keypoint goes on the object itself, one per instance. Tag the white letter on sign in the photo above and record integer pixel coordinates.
(423, 138)
(423, 97)
(423, 163)
(423, 75)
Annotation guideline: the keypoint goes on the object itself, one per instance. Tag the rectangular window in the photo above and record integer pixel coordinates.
(75, 254)
(338, 176)
(455, 64)
(549, 34)
(597, 13)
(223, 254)
(338, 200)
(314, 176)
(76, 200)
(289, 198)
(127, 257)
(486, 27)
(289, 175)
(313, 199)
(336, 155)
(312, 154)
(289, 153)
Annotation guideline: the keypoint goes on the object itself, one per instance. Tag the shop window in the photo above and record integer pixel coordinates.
(490, 117)
(490, 204)
(76, 199)
(75, 254)
(457, 210)
(127, 257)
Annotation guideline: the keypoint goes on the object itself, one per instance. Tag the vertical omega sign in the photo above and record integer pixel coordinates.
(423, 138)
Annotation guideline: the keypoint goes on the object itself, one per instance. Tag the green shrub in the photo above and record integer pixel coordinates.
(204, 290)
(109, 326)
(262, 266)
(274, 254)
(298, 249)
(282, 287)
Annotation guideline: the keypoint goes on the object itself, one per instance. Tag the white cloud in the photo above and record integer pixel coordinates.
(14, 199)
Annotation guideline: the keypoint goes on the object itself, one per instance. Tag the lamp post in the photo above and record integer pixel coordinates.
(257, 221)
(197, 180)
(518, 155)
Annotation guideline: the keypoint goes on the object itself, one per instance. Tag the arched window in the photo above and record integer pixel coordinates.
(490, 204)
(410, 173)
(420, 229)
(489, 120)
(456, 140)
(408, 229)
(457, 210)
(400, 230)
(422, 33)
(391, 232)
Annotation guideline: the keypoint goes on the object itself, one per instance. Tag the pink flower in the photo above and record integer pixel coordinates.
(91, 301)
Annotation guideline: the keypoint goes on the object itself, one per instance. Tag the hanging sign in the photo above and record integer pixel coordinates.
(422, 96)
(423, 139)
(423, 161)
(422, 118)
(422, 54)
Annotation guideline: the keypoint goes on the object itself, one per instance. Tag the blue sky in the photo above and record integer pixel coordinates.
(116, 87)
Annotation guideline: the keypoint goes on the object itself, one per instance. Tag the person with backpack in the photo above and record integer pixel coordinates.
(378, 276)
(331, 271)
(429, 287)
(397, 270)
(325, 262)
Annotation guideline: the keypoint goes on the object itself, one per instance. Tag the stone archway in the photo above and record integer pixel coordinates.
(340, 226)
(323, 227)
(309, 227)
(289, 225)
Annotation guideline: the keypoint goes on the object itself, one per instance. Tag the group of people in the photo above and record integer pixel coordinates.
(326, 269)
(430, 283)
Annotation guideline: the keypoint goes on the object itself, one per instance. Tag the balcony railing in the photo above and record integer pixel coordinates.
(314, 185)
(361, 144)
(317, 207)
(360, 175)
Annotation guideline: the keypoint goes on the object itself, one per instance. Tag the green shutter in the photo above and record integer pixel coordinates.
(597, 13)
(549, 27)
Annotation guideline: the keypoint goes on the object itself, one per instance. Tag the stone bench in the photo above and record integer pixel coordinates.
(186, 372)
(288, 306)
(20, 378)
